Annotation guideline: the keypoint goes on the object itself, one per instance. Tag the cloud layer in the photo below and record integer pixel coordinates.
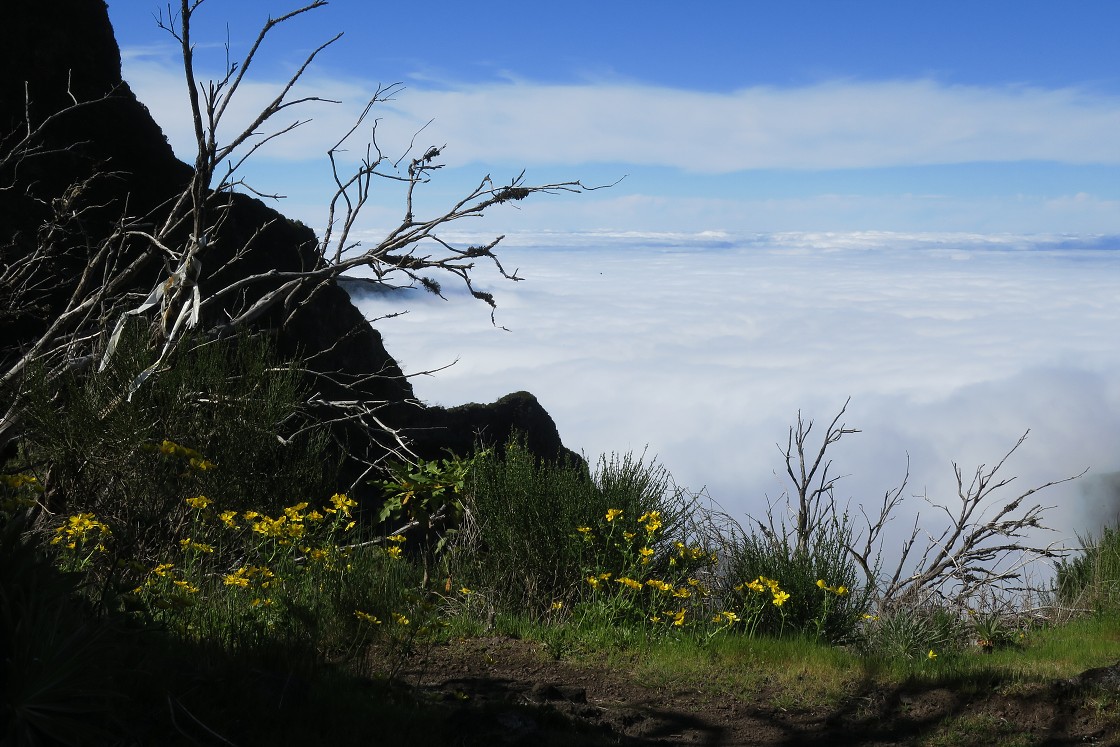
(705, 348)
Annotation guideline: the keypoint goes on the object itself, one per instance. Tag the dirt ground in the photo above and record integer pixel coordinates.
(505, 691)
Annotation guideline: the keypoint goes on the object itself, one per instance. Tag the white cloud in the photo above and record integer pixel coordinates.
(833, 125)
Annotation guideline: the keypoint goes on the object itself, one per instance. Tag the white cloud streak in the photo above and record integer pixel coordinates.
(833, 125)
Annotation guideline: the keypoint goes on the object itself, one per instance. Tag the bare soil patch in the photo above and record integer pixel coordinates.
(507, 691)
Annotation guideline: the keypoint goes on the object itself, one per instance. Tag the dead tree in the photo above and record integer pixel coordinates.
(981, 547)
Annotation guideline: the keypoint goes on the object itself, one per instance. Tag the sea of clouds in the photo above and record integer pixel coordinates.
(703, 348)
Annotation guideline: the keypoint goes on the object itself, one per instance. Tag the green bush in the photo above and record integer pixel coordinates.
(913, 633)
(783, 591)
(1091, 579)
(521, 540)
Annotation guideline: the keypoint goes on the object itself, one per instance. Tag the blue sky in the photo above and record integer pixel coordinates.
(733, 116)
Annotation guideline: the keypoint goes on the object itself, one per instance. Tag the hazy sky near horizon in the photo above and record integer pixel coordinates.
(913, 204)
(726, 116)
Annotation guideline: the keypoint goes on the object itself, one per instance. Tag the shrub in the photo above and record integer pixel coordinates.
(782, 591)
(522, 538)
(912, 633)
(1091, 579)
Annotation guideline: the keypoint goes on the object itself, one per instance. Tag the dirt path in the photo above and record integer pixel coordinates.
(505, 691)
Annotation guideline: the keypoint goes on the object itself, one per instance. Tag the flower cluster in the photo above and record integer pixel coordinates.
(761, 585)
(394, 548)
(80, 529)
(636, 575)
(292, 523)
(22, 486)
(190, 544)
(193, 459)
(167, 587)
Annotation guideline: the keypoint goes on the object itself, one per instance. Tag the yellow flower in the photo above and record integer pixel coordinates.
(270, 527)
(228, 518)
(841, 590)
(584, 530)
(780, 598)
(198, 502)
(400, 619)
(931, 655)
(295, 513)
(678, 617)
(341, 503)
(682, 593)
(393, 552)
(15, 482)
(594, 581)
(190, 544)
(629, 536)
(238, 578)
(258, 602)
(187, 587)
(659, 585)
(366, 617)
(202, 465)
(652, 520)
(821, 583)
(557, 606)
(162, 569)
(77, 529)
(626, 581)
(613, 513)
(464, 590)
(398, 538)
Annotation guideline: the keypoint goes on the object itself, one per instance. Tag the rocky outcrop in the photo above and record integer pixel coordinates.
(53, 54)
(462, 428)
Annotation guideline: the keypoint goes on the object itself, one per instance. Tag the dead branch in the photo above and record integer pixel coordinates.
(814, 504)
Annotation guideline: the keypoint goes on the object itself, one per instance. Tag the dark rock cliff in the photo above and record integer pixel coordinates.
(53, 54)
